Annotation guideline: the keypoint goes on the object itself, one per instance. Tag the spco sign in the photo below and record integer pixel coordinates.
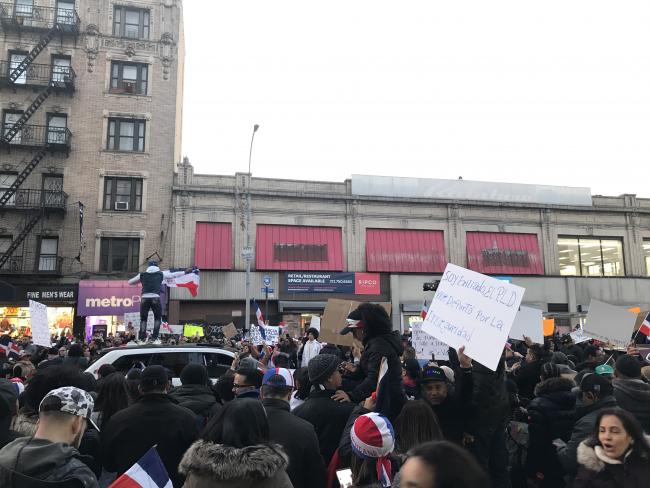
(98, 297)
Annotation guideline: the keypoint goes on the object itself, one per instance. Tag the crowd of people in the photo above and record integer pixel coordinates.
(304, 414)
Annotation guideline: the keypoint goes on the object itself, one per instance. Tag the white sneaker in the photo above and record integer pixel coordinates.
(157, 342)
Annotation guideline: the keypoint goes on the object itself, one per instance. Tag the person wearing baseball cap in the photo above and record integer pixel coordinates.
(328, 416)
(297, 436)
(449, 404)
(52, 455)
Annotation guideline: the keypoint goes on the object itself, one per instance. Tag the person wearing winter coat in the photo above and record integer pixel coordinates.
(616, 456)
(550, 416)
(328, 416)
(235, 451)
(526, 374)
(630, 391)
(311, 348)
(372, 326)
(596, 395)
(195, 394)
(297, 436)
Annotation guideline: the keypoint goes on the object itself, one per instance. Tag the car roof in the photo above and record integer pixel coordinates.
(163, 348)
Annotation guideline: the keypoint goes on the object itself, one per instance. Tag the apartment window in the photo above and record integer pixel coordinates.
(9, 119)
(119, 255)
(61, 70)
(6, 180)
(53, 190)
(48, 254)
(123, 194)
(57, 129)
(5, 242)
(129, 78)
(646, 255)
(65, 12)
(15, 58)
(588, 256)
(24, 8)
(126, 135)
(131, 22)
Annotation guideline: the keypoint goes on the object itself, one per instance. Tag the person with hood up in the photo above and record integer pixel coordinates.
(631, 392)
(8, 409)
(235, 451)
(52, 455)
(195, 393)
(371, 325)
(152, 279)
(550, 416)
(311, 348)
(328, 416)
(616, 456)
(597, 395)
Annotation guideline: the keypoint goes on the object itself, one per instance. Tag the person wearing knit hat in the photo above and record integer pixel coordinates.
(630, 391)
(373, 440)
(328, 416)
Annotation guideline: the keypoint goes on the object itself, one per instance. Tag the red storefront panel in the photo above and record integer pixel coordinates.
(298, 248)
(405, 251)
(501, 253)
(213, 245)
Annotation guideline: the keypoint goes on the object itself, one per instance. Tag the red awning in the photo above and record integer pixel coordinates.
(501, 253)
(298, 248)
(213, 245)
(405, 251)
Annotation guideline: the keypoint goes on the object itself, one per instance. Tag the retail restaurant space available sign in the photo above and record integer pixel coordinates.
(39, 324)
(473, 310)
(426, 346)
(610, 324)
(345, 283)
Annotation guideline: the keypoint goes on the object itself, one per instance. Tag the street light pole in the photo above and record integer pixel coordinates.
(248, 257)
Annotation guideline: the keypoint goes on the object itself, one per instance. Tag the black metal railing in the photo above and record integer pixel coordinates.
(37, 136)
(25, 199)
(13, 265)
(44, 264)
(32, 17)
(39, 75)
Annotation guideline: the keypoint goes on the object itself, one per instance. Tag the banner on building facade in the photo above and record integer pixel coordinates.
(344, 283)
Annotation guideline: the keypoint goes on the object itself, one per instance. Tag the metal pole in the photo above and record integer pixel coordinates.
(266, 305)
(248, 233)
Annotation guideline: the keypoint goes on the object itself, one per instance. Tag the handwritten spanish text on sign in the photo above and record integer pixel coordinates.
(426, 345)
(473, 310)
(40, 327)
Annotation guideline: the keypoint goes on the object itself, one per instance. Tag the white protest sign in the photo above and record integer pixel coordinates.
(579, 336)
(528, 322)
(610, 324)
(40, 328)
(271, 333)
(134, 318)
(425, 345)
(473, 310)
(315, 322)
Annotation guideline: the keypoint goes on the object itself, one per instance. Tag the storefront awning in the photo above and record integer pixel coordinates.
(213, 245)
(504, 253)
(405, 251)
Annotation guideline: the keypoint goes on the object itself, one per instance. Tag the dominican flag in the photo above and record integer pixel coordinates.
(258, 314)
(191, 281)
(645, 326)
(425, 309)
(10, 348)
(382, 393)
(148, 472)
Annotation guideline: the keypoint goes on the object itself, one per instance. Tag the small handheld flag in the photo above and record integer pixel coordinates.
(148, 472)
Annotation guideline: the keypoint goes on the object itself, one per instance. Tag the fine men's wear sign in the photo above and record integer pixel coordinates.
(53, 293)
(344, 283)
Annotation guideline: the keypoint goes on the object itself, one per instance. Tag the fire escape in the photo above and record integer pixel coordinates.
(60, 21)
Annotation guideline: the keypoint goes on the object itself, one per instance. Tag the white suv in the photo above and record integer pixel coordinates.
(174, 358)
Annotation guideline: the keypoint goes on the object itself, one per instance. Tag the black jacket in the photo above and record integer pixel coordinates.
(328, 418)
(452, 413)
(490, 405)
(298, 438)
(550, 416)
(154, 420)
(526, 377)
(634, 396)
(388, 346)
(199, 399)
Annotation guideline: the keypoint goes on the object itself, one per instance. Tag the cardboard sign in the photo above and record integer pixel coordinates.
(38, 321)
(315, 322)
(333, 321)
(528, 322)
(610, 324)
(473, 310)
(230, 331)
(549, 327)
(426, 345)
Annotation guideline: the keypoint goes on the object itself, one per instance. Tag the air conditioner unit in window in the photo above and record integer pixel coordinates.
(121, 205)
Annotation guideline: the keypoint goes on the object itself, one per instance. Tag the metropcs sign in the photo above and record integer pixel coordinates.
(113, 301)
(107, 297)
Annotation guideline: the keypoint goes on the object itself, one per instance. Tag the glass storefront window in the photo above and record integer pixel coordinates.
(646, 255)
(580, 256)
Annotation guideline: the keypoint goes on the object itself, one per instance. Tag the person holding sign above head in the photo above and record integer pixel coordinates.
(371, 325)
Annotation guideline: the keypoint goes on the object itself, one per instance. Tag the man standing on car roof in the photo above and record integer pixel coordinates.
(152, 280)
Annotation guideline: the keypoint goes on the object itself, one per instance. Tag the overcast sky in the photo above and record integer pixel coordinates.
(554, 92)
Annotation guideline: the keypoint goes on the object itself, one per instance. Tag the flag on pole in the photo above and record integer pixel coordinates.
(382, 393)
(10, 348)
(258, 314)
(425, 309)
(191, 281)
(148, 472)
(645, 326)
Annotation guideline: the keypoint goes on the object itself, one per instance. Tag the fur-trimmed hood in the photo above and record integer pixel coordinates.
(594, 459)
(223, 463)
(554, 385)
